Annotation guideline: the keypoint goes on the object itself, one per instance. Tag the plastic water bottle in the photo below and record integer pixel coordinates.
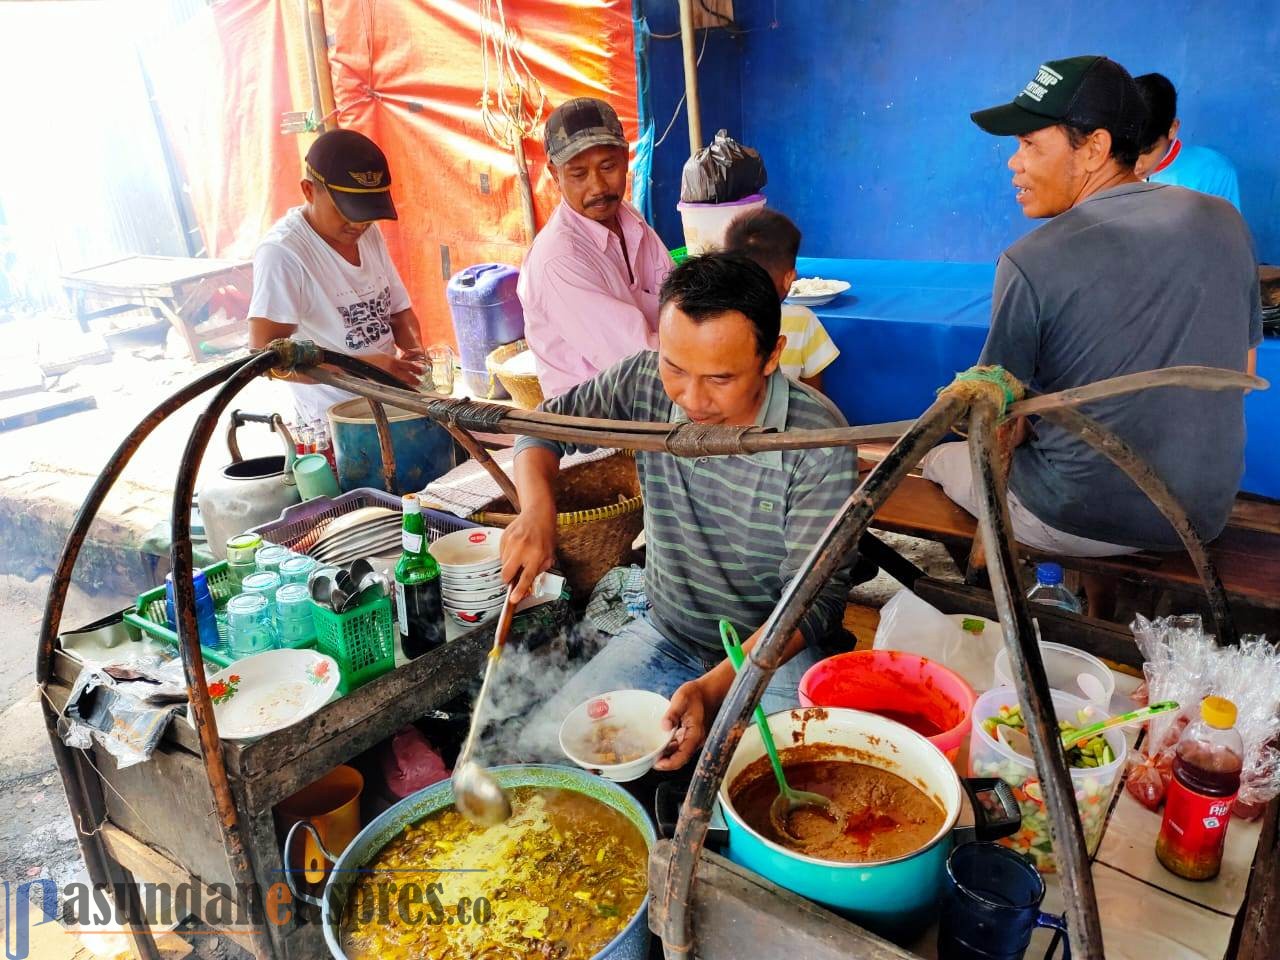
(1050, 590)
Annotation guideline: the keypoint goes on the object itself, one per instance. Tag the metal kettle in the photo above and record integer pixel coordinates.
(247, 493)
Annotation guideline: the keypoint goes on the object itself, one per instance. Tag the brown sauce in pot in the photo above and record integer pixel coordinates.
(887, 816)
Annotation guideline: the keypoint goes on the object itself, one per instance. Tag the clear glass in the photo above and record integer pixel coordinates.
(249, 627)
(442, 363)
(294, 620)
(296, 569)
(264, 584)
(270, 557)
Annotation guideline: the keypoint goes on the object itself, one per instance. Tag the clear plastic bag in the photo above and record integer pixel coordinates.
(911, 625)
(722, 172)
(1183, 663)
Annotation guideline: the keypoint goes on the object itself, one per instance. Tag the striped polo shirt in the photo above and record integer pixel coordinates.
(725, 534)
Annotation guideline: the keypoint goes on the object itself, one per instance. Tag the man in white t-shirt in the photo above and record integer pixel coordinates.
(322, 272)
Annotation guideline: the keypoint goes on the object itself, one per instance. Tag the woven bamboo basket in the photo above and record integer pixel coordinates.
(605, 514)
(524, 388)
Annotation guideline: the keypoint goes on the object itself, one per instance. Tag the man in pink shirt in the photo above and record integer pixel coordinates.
(589, 285)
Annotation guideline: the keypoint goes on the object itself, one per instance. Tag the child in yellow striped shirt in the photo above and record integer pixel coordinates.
(773, 241)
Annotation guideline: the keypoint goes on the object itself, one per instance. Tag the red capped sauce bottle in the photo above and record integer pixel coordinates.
(1206, 779)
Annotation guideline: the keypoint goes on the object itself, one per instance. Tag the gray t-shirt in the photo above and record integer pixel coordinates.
(1135, 278)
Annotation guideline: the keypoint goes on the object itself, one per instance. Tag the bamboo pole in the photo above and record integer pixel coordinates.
(692, 104)
(320, 54)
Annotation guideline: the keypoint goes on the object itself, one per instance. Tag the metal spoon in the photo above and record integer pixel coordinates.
(789, 800)
(320, 584)
(476, 794)
(361, 569)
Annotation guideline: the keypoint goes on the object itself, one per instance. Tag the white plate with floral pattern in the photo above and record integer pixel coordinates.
(267, 692)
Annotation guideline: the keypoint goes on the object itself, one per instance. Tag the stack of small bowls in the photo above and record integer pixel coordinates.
(471, 586)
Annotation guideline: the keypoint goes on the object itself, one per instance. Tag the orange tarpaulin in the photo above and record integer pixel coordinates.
(409, 74)
(222, 79)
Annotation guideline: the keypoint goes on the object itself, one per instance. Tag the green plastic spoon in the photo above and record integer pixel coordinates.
(789, 800)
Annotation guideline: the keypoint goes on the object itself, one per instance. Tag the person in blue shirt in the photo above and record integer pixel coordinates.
(1166, 159)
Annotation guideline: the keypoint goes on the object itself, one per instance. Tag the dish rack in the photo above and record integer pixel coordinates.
(352, 640)
(301, 519)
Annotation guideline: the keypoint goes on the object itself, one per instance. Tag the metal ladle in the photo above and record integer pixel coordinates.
(789, 800)
(476, 794)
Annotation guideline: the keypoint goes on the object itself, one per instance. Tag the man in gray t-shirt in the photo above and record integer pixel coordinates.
(1127, 276)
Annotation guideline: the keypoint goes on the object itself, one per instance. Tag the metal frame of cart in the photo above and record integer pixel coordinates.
(241, 784)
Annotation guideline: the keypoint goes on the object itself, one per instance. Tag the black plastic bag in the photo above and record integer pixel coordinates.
(722, 172)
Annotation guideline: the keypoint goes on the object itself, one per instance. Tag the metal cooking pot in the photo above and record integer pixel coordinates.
(247, 493)
(892, 897)
(631, 944)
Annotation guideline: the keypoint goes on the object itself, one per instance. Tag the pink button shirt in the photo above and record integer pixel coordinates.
(582, 313)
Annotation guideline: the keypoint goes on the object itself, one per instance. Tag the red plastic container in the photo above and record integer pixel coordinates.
(916, 691)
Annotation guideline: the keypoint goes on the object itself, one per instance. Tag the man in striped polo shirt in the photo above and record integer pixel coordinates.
(725, 535)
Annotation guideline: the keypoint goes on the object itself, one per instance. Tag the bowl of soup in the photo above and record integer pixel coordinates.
(565, 876)
(884, 864)
(618, 735)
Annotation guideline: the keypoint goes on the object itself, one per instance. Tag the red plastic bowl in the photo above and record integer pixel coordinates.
(923, 694)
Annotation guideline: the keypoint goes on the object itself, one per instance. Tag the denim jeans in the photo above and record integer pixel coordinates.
(641, 658)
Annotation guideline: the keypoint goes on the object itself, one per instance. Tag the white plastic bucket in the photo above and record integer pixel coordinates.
(705, 223)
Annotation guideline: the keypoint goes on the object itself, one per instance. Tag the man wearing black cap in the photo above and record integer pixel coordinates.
(1125, 277)
(322, 273)
(589, 284)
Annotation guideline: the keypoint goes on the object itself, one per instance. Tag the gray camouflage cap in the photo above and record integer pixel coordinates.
(580, 124)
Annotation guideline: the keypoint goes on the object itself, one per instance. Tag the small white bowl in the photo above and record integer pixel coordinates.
(457, 607)
(462, 598)
(472, 616)
(467, 550)
(473, 581)
(640, 712)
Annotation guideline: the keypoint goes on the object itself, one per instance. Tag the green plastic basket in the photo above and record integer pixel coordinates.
(679, 255)
(361, 640)
(150, 617)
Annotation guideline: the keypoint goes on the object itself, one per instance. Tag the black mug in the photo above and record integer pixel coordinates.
(991, 906)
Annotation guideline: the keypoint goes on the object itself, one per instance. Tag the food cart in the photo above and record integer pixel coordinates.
(165, 805)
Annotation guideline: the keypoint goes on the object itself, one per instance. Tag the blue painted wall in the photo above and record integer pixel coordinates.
(861, 108)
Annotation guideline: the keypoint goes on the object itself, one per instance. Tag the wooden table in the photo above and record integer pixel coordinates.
(176, 289)
(158, 817)
(1147, 913)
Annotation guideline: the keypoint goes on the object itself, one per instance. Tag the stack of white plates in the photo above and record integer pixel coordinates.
(471, 586)
(367, 532)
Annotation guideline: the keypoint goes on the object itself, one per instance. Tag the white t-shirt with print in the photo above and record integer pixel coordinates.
(298, 279)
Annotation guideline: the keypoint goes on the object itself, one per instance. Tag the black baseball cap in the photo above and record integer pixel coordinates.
(580, 124)
(1089, 92)
(355, 172)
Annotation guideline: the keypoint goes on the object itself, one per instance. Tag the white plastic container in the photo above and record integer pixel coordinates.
(1094, 786)
(1063, 666)
(705, 223)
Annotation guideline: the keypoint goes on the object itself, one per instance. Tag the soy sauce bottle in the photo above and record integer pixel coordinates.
(418, 607)
(1206, 779)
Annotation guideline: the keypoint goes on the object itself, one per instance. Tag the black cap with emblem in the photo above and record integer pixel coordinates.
(1090, 92)
(355, 172)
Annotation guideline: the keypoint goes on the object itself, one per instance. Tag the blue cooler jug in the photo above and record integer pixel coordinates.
(486, 314)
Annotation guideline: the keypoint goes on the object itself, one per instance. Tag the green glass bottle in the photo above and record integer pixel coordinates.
(418, 607)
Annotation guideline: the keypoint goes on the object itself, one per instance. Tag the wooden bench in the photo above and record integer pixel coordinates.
(1247, 554)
